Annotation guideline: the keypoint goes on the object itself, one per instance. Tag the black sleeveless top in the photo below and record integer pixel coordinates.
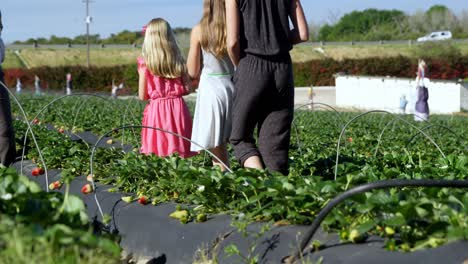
(264, 27)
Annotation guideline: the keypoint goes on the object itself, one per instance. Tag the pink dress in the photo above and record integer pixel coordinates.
(166, 110)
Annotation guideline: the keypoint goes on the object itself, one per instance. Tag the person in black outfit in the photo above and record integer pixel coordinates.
(7, 143)
(259, 39)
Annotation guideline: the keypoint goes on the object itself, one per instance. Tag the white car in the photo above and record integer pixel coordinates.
(436, 36)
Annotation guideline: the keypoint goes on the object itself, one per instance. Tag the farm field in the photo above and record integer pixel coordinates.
(303, 53)
(375, 147)
(110, 56)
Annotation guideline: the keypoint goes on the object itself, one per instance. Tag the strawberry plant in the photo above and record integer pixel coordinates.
(408, 219)
(36, 228)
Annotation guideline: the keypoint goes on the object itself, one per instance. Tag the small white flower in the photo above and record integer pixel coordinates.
(201, 188)
(245, 184)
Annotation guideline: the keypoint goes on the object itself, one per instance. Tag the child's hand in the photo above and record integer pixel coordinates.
(190, 85)
(190, 89)
(194, 83)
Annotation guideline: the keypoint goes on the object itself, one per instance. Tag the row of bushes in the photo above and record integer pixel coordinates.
(321, 72)
(315, 72)
(92, 79)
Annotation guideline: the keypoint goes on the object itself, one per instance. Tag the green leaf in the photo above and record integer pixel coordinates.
(380, 198)
(232, 250)
(421, 211)
(397, 220)
(363, 228)
(328, 188)
(288, 186)
(73, 205)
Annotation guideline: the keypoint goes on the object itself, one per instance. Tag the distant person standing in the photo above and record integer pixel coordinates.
(259, 38)
(116, 88)
(403, 103)
(422, 106)
(69, 84)
(7, 136)
(310, 96)
(19, 86)
(37, 85)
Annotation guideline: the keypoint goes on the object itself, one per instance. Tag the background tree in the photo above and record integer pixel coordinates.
(358, 24)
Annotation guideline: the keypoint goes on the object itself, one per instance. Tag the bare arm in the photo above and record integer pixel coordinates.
(142, 94)
(194, 56)
(233, 25)
(300, 33)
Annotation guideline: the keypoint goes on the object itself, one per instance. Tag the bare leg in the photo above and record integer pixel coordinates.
(222, 154)
(254, 162)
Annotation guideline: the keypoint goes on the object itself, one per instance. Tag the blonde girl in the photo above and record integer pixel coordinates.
(162, 82)
(209, 63)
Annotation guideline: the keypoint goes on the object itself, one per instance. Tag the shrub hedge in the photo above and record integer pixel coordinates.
(92, 79)
(315, 72)
(321, 72)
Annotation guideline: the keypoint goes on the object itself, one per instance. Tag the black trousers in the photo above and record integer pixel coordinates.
(264, 99)
(7, 136)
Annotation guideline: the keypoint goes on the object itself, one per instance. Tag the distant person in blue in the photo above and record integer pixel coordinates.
(403, 104)
(259, 38)
(421, 112)
(7, 136)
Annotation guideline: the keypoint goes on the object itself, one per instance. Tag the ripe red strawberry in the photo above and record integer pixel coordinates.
(143, 200)
(36, 121)
(55, 185)
(350, 139)
(37, 171)
(87, 188)
(61, 130)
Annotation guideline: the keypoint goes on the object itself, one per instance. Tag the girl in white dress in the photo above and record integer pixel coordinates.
(208, 63)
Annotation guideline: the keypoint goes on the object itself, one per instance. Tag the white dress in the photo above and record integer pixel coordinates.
(213, 112)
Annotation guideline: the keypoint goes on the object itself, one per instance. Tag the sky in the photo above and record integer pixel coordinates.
(24, 19)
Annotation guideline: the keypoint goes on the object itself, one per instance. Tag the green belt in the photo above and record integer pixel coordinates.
(218, 74)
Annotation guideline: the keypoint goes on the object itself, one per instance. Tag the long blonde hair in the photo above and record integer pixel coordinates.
(160, 51)
(421, 68)
(213, 27)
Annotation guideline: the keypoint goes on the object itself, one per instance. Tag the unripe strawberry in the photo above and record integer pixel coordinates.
(180, 214)
(355, 236)
(127, 199)
(89, 178)
(201, 218)
(389, 231)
